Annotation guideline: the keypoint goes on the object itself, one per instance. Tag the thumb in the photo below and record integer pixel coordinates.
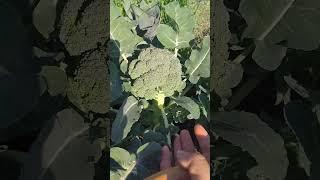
(196, 164)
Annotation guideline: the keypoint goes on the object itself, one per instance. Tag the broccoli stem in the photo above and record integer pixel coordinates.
(124, 57)
(187, 89)
(166, 124)
(176, 52)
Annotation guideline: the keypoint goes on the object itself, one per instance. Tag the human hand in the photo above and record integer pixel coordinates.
(186, 155)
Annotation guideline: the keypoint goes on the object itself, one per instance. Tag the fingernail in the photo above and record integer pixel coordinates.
(184, 131)
(165, 147)
(200, 130)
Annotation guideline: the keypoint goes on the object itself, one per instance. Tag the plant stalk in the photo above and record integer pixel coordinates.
(176, 52)
(166, 124)
(189, 86)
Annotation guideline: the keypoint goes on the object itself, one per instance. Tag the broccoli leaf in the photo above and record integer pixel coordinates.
(276, 21)
(189, 105)
(144, 162)
(167, 36)
(128, 114)
(176, 114)
(199, 63)
(184, 19)
(267, 55)
(171, 39)
(204, 99)
(56, 80)
(115, 82)
(283, 20)
(61, 149)
(123, 39)
(253, 135)
(148, 18)
(126, 161)
(183, 16)
(152, 136)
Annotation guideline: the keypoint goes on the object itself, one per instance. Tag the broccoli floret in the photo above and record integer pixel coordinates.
(156, 74)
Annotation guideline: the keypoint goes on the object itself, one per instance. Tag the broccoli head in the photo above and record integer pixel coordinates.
(156, 74)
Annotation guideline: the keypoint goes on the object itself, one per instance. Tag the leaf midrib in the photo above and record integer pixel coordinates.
(276, 21)
(65, 143)
(200, 62)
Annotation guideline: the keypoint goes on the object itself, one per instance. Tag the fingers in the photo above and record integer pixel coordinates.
(165, 158)
(176, 147)
(196, 164)
(203, 140)
(186, 141)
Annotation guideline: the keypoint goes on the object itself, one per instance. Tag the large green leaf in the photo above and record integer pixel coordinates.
(183, 16)
(253, 135)
(295, 21)
(148, 160)
(167, 36)
(123, 39)
(152, 136)
(171, 39)
(126, 160)
(62, 148)
(184, 34)
(128, 114)
(190, 105)
(274, 21)
(199, 63)
(144, 162)
(115, 82)
(147, 17)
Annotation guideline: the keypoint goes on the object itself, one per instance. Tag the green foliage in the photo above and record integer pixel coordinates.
(264, 89)
(158, 68)
(199, 61)
(286, 22)
(183, 34)
(141, 162)
(128, 114)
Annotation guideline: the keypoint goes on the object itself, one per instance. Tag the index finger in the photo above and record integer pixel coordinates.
(165, 158)
(203, 140)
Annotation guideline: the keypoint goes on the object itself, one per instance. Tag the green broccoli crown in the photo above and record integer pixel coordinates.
(156, 72)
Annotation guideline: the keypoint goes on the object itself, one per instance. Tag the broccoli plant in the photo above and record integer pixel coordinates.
(159, 81)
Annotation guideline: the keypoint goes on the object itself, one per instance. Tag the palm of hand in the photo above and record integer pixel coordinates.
(183, 142)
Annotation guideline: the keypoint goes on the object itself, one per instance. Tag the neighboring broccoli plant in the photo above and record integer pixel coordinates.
(159, 80)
